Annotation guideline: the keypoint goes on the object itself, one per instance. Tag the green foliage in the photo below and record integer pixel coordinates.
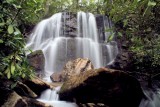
(138, 21)
(13, 61)
(92, 6)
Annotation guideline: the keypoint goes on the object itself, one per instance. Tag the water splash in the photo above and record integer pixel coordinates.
(152, 99)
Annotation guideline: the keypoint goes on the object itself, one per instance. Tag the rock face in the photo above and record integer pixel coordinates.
(36, 60)
(69, 24)
(123, 61)
(72, 68)
(37, 85)
(111, 87)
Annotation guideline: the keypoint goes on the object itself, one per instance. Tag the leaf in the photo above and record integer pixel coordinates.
(1, 73)
(13, 85)
(23, 75)
(151, 3)
(110, 38)
(10, 29)
(120, 34)
(1, 41)
(18, 58)
(12, 68)
(8, 75)
(7, 70)
(2, 24)
(17, 30)
(125, 22)
(17, 6)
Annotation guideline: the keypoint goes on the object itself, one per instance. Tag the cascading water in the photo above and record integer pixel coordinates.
(50, 37)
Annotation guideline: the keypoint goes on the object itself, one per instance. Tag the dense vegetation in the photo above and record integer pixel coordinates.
(14, 15)
(137, 22)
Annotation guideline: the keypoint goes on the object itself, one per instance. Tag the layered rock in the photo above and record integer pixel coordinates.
(110, 87)
(72, 68)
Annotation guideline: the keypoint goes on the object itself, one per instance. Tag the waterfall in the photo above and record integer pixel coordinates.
(59, 45)
(88, 39)
(49, 36)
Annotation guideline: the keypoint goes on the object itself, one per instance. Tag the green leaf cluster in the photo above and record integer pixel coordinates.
(138, 21)
(93, 6)
(13, 61)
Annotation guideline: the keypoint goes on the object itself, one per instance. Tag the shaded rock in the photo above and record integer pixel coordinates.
(72, 68)
(4, 94)
(37, 85)
(18, 87)
(36, 60)
(24, 90)
(11, 99)
(35, 103)
(123, 61)
(111, 87)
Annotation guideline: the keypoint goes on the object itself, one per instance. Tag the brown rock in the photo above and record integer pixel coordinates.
(72, 68)
(37, 85)
(34, 103)
(12, 99)
(110, 87)
(36, 60)
(24, 90)
(57, 77)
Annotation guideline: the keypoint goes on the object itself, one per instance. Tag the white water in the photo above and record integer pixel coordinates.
(152, 99)
(88, 41)
(58, 49)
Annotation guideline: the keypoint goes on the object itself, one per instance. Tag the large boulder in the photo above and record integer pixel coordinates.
(72, 68)
(110, 87)
(36, 60)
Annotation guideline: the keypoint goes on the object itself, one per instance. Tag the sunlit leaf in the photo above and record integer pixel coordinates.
(151, 3)
(110, 38)
(7, 70)
(8, 75)
(1, 41)
(10, 29)
(1, 73)
(23, 75)
(2, 24)
(12, 68)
